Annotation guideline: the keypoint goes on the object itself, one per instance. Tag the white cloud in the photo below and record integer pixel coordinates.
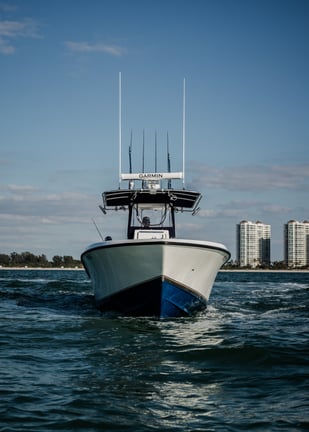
(239, 209)
(25, 200)
(86, 47)
(251, 178)
(20, 188)
(276, 209)
(11, 30)
(6, 7)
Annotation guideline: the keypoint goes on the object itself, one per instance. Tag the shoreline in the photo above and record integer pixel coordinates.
(42, 268)
(265, 271)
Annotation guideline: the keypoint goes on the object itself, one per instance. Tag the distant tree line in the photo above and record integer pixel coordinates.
(276, 265)
(28, 259)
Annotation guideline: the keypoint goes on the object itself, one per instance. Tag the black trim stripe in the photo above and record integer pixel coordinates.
(160, 242)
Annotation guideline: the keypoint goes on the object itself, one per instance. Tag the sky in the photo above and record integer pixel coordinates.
(246, 68)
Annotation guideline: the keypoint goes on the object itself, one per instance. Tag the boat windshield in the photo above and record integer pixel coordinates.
(146, 217)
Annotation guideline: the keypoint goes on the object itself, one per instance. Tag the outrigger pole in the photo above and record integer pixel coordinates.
(120, 144)
(183, 131)
(155, 151)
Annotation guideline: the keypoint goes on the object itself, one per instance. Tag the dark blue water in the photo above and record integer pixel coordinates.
(242, 365)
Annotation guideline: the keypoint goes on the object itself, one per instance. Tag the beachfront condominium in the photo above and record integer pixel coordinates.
(253, 243)
(296, 243)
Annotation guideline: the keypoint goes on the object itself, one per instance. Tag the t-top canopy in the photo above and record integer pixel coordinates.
(176, 198)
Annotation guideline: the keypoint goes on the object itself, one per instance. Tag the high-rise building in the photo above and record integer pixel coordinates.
(296, 243)
(253, 243)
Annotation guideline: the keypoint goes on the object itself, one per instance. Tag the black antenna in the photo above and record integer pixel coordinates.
(169, 183)
(155, 151)
(130, 154)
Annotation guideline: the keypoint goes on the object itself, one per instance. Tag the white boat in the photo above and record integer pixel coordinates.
(151, 273)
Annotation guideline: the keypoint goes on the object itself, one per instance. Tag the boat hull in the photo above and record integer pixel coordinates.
(163, 278)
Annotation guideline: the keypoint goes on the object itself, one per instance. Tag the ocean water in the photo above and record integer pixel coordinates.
(242, 365)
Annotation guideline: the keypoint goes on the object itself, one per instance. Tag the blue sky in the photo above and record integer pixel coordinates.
(246, 64)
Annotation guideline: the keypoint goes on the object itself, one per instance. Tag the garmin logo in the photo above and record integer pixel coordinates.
(150, 176)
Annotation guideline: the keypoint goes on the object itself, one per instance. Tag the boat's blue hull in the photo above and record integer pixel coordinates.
(156, 298)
